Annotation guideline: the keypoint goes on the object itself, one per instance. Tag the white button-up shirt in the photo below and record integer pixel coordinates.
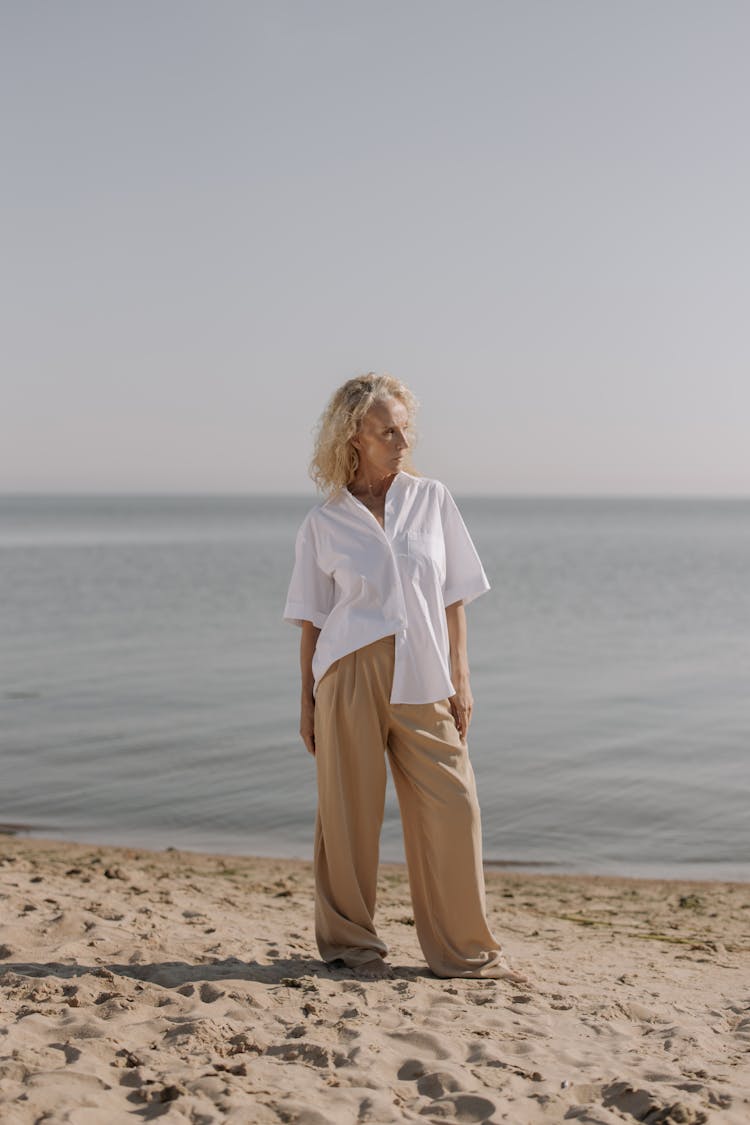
(357, 581)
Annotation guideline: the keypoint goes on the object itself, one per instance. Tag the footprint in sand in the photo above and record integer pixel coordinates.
(423, 1041)
(311, 1053)
(72, 1054)
(70, 923)
(464, 1108)
(438, 1084)
(641, 1104)
(210, 993)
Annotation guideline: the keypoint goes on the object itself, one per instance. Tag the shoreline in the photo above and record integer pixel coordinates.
(134, 978)
(692, 871)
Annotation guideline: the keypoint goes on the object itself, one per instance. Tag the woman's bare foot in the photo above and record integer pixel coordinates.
(503, 971)
(376, 969)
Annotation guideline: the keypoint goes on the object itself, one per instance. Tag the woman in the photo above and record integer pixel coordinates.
(383, 570)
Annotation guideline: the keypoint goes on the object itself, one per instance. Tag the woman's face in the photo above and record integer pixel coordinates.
(382, 440)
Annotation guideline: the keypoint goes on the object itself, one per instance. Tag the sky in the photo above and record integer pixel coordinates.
(533, 212)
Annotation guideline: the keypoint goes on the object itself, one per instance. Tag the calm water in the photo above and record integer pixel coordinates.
(149, 692)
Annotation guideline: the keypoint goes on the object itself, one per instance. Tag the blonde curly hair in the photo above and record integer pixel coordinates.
(335, 460)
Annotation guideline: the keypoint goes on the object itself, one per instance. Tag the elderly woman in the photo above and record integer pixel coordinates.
(383, 570)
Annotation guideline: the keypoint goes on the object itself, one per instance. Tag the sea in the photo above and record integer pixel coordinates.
(149, 689)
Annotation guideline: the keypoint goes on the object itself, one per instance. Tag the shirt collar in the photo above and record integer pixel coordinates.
(354, 505)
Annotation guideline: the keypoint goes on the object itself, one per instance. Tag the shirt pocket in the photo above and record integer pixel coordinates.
(424, 545)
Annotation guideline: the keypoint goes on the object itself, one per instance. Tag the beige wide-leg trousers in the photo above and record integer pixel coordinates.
(355, 725)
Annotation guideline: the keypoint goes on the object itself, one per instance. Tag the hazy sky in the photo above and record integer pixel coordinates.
(532, 211)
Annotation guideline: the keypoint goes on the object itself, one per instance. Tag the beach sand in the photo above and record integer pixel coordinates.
(183, 987)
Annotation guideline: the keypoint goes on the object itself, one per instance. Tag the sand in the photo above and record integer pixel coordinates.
(139, 985)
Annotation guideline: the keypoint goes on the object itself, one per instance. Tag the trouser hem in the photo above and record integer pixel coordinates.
(354, 960)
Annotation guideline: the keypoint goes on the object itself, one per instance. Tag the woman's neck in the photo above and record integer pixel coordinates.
(373, 485)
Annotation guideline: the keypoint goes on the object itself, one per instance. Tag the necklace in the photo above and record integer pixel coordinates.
(375, 497)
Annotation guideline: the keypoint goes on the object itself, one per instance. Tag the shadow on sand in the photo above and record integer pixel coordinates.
(291, 972)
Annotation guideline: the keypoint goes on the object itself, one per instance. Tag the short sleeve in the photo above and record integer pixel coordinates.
(465, 579)
(310, 594)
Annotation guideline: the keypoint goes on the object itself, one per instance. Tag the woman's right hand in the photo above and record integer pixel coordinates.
(308, 641)
(307, 723)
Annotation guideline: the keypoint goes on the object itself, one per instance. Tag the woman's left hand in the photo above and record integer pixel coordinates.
(462, 705)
